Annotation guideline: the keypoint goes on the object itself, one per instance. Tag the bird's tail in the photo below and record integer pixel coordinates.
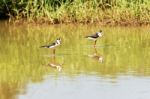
(44, 46)
(86, 36)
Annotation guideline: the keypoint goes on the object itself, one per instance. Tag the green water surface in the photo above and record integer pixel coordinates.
(121, 51)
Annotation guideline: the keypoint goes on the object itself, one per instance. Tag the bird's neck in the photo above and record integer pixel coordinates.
(57, 42)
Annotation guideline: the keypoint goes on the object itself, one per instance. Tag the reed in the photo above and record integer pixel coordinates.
(81, 11)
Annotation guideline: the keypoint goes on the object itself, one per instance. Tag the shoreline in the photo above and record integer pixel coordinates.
(102, 23)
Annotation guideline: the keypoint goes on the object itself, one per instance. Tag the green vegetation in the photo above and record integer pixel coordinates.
(81, 11)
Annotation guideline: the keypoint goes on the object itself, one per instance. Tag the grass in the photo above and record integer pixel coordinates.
(80, 11)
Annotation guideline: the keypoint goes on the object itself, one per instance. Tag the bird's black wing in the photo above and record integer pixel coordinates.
(52, 44)
(92, 36)
(47, 46)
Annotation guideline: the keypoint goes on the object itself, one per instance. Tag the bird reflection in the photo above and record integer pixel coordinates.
(54, 64)
(96, 56)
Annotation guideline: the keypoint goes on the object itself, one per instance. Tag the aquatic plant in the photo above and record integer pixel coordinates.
(82, 11)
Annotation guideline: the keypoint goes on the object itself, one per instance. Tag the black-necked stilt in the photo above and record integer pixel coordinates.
(95, 36)
(53, 45)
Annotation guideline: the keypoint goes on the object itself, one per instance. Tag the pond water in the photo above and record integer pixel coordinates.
(118, 67)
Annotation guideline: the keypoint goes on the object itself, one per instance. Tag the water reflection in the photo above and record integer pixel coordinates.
(54, 64)
(96, 56)
(9, 91)
(89, 87)
(21, 60)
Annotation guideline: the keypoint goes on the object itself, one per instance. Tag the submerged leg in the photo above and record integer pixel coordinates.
(95, 50)
(95, 43)
(54, 51)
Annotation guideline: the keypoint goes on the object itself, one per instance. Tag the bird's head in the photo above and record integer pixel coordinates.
(58, 40)
(100, 34)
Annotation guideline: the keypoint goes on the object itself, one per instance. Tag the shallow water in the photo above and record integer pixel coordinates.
(118, 67)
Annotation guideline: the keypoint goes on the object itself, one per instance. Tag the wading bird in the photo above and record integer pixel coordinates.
(53, 45)
(95, 36)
